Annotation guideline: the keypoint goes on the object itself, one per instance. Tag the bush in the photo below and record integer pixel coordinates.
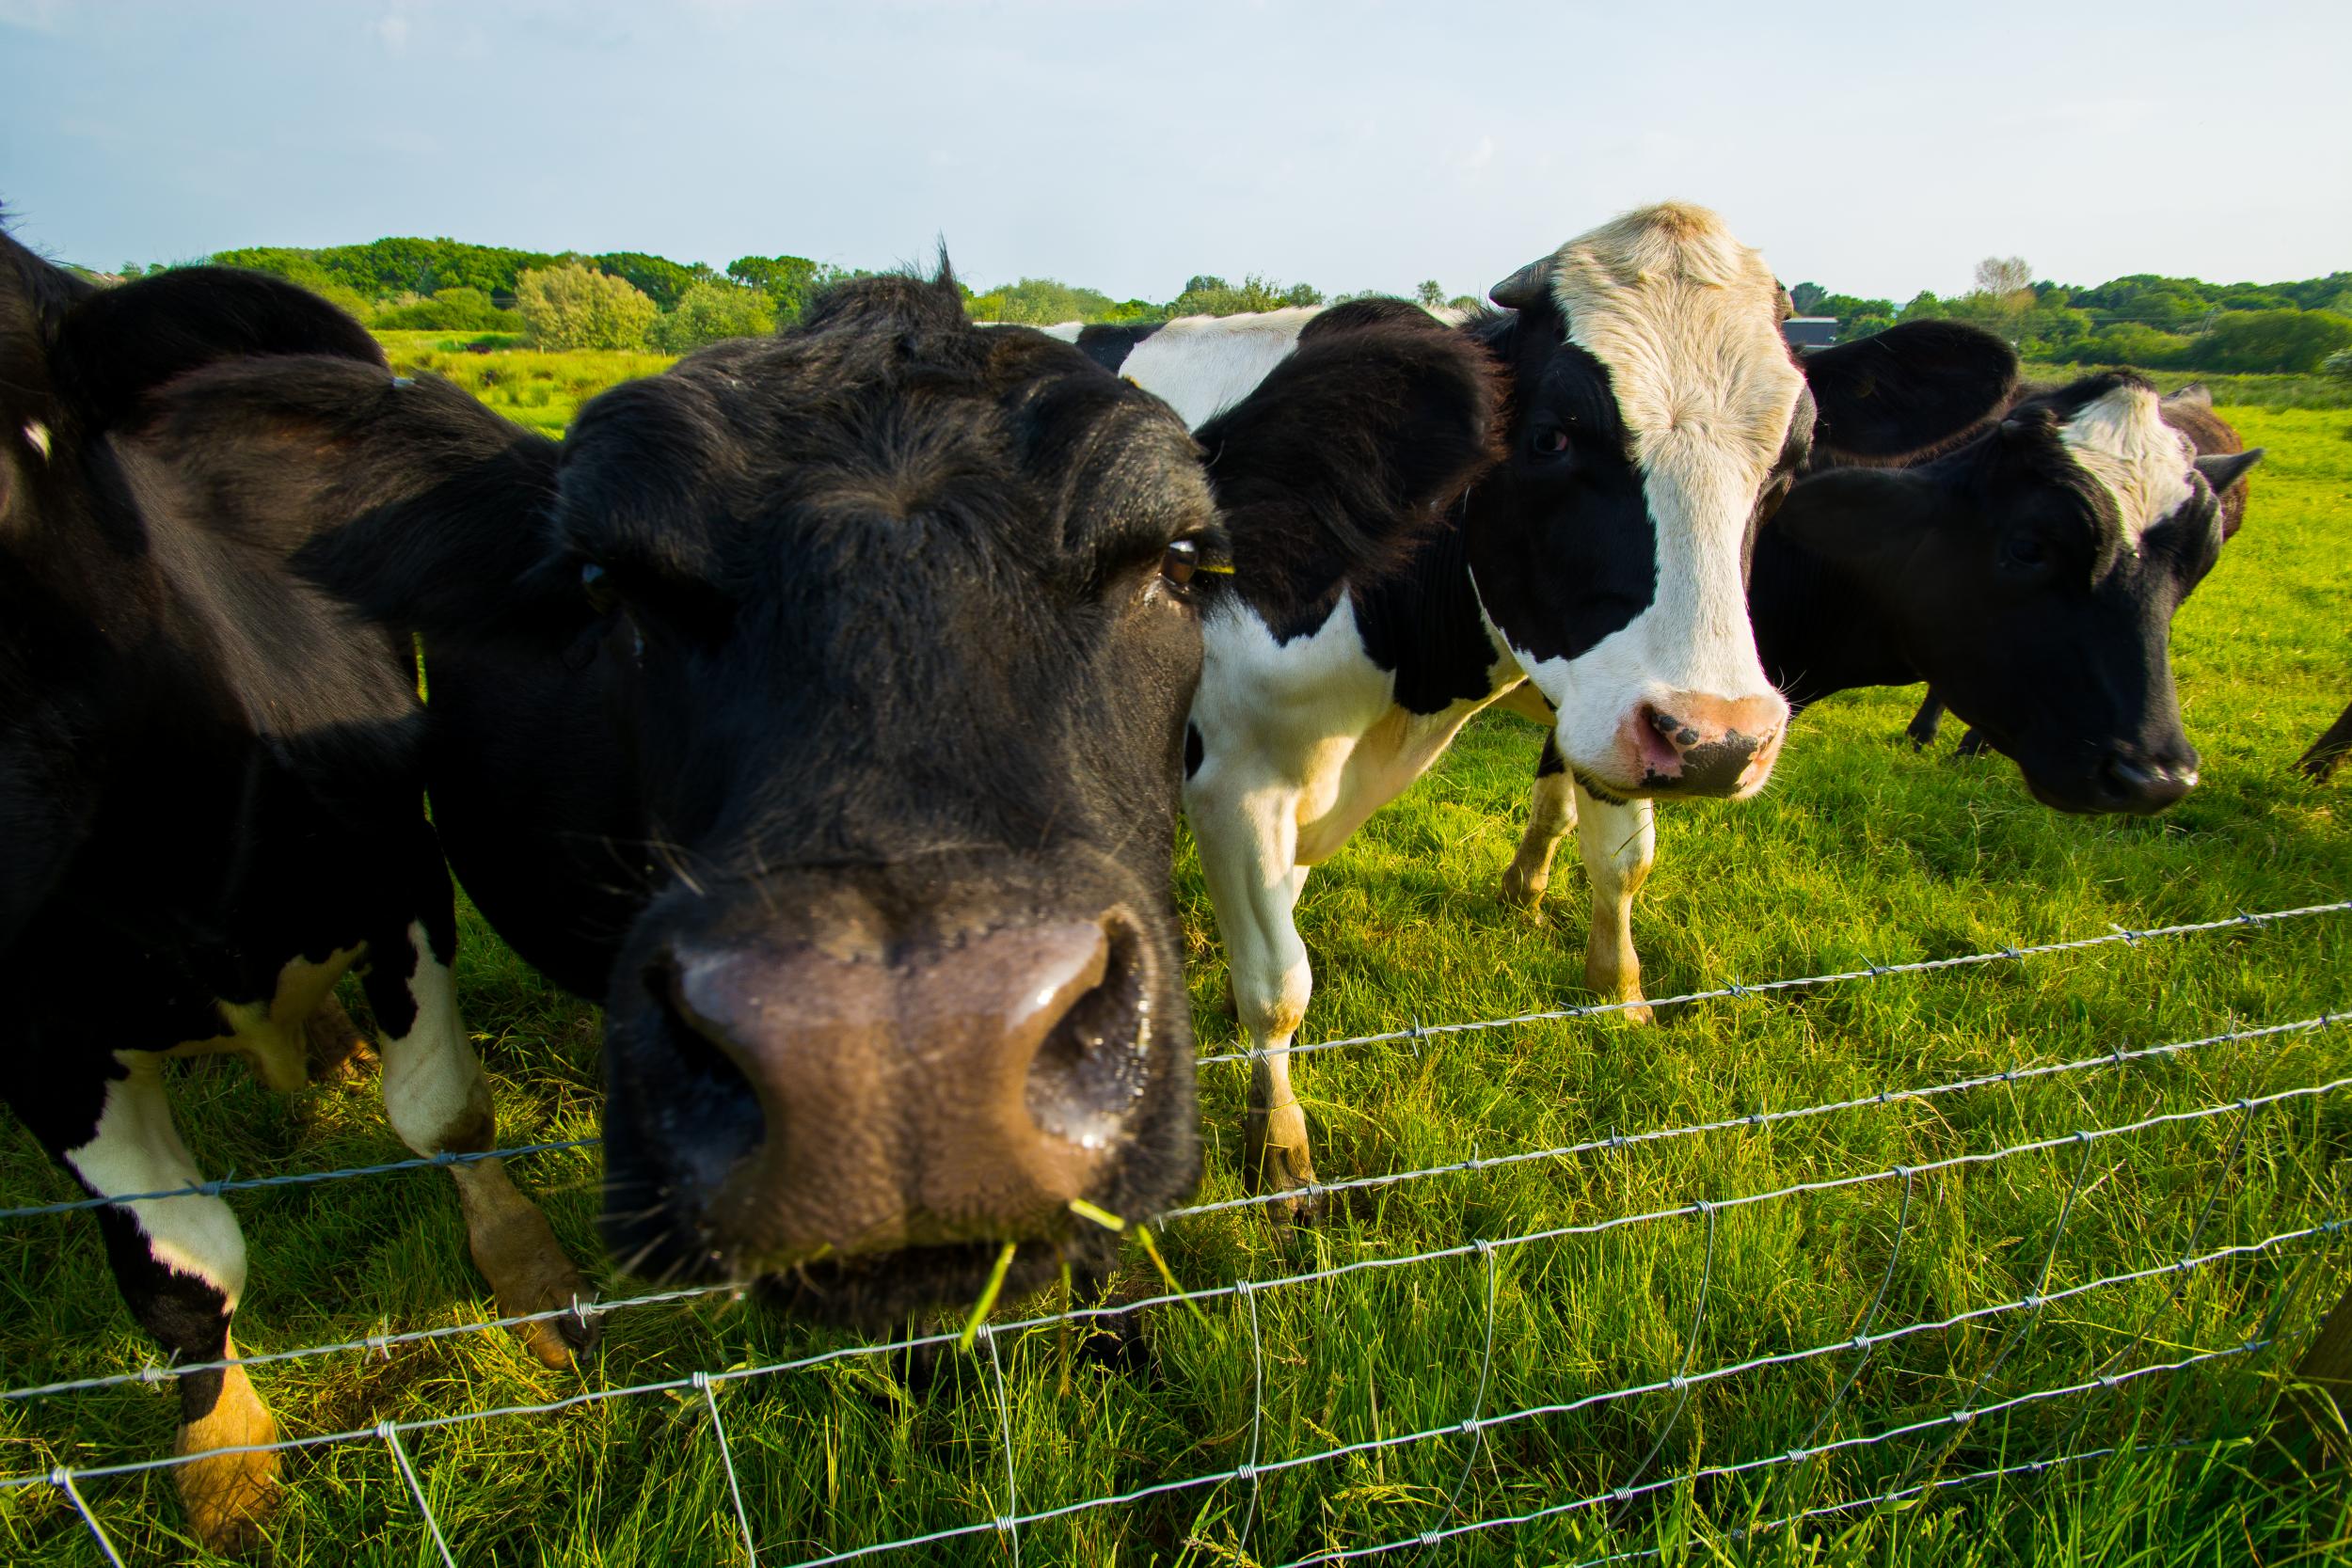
(710, 312)
(2288, 342)
(459, 309)
(572, 308)
(2338, 364)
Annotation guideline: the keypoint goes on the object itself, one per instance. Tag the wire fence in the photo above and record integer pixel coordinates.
(2305, 1243)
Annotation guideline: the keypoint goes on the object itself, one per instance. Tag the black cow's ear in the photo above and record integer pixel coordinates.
(1863, 517)
(1361, 434)
(407, 498)
(2224, 469)
(119, 345)
(1908, 389)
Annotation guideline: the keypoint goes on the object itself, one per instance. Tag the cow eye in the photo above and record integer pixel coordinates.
(1551, 441)
(1186, 559)
(597, 586)
(2027, 550)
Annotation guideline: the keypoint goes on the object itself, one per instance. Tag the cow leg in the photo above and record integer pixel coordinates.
(1619, 843)
(1248, 847)
(2329, 750)
(180, 1264)
(438, 1101)
(1925, 723)
(1551, 814)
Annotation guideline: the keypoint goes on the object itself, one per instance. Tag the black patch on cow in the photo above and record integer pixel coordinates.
(1561, 542)
(1423, 624)
(1109, 344)
(1910, 391)
(1341, 465)
(1550, 762)
(1194, 753)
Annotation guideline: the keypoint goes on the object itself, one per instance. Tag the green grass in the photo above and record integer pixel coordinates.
(2236, 391)
(534, 388)
(1860, 851)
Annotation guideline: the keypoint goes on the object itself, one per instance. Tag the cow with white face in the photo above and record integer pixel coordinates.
(1594, 575)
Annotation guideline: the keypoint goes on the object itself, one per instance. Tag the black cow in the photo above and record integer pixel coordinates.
(2031, 574)
(211, 807)
(820, 704)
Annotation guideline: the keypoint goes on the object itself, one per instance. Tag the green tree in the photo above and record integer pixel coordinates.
(1209, 295)
(1807, 299)
(570, 306)
(786, 280)
(1429, 293)
(1041, 302)
(458, 310)
(711, 311)
(2293, 341)
(657, 278)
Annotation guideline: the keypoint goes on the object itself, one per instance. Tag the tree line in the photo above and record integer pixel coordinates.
(2147, 320)
(633, 299)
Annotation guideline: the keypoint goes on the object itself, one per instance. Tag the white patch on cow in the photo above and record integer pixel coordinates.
(136, 1149)
(269, 1034)
(36, 438)
(1067, 331)
(433, 1083)
(1687, 320)
(2121, 439)
(1202, 365)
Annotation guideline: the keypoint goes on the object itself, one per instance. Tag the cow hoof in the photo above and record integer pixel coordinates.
(518, 1253)
(1521, 891)
(229, 1497)
(1274, 1168)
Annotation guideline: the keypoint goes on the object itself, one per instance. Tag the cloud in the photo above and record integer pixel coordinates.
(1481, 155)
(391, 31)
(33, 16)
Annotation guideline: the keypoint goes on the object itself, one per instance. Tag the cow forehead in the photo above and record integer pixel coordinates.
(1687, 320)
(2121, 439)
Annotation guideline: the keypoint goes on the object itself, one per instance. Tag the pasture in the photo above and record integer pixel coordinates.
(1860, 853)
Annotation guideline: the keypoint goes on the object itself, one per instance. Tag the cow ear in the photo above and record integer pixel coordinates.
(1862, 518)
(2224, 469)
(405, 498)
(1361, 435)
(119, 345)
(1908, 389)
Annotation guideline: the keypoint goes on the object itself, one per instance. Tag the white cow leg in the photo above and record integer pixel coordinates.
(180, 1262)
(438, 1101)
(1618, 843)
(1551, 815)
(1247, 852)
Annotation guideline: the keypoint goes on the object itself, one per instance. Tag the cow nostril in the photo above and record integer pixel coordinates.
(1089, 1072)
(2128, 787)
(1676, 732)
(714, 1116)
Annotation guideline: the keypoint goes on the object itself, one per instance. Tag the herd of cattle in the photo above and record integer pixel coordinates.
(824, 707)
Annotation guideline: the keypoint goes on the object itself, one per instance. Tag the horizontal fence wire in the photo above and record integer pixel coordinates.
(383, 1344)
(1708, 1209)
(1419, 1032)
(1957, 1418)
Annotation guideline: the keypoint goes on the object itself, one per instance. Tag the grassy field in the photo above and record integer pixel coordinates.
(1860, 852)
(540, 390)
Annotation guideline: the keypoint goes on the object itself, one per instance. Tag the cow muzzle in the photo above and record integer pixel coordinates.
(1687, 743)
(954, 1091)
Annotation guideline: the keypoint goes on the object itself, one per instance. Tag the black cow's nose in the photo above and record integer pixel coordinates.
(2143, 787)
(960, 1091)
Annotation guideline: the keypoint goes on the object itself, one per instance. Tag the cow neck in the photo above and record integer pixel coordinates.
(1424, 624)
(1819, 631)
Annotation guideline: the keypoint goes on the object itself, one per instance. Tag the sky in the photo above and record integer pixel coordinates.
(1877, 148)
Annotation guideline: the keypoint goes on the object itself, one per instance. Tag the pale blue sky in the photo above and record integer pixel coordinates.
(1879, 147)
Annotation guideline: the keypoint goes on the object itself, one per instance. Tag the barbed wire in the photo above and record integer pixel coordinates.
(383, 1344)
(233, 1183)
(1679, 1383)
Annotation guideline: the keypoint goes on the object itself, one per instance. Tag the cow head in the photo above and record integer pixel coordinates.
(1657, 419)
(901, 621)
(2031, 576)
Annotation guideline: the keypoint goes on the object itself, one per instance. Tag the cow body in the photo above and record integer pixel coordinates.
(819, 706)
(192, 733)
(2033, 573)
(1593, 576)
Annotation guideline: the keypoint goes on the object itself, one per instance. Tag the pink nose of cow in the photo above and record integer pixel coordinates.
(966, 1092)
(1691, 744)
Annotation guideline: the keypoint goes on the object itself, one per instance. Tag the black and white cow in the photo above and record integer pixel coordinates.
(1595, 576)
(2030, 575)
(819, 706)
(211, 808)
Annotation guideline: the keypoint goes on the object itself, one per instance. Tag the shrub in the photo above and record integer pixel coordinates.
(2338, 364)
(459, 309)
(2290, 341)
(709, 312)
(572, 308)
